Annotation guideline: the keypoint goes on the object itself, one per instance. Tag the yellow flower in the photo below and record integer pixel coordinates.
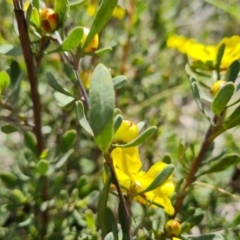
(127, 165)
(118, 11)
(231, 52)
(207, 53)
(126, 132)
(202, 52)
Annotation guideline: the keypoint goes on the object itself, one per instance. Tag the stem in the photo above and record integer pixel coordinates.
(121, 198)
(126, 46)
(33, 81)
(31, 70)
(195, 166)
(75, 67)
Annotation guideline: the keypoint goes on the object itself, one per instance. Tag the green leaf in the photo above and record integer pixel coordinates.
(159, 180)
(102, 51)
(63, 160)
(222, 164)
(196, 94)
(112, 223)
(68, 140)
(103, 15)
(77, 2)
(109, 236)
(144, 136)
(36, 4)
(167, 158)
(102, 219)
(55, 85)
(8, 128)
(102, 100)
(4, 81)
(9, 179)
(82, 118)
(10, 50)
(204, 237)
(30, 142)
(69, 71)
(188, 214)
(220, 54)
(42, 167)
(233, 120)
(236, 220)
(72, 41)
(222, 98)
(119, 81)
(63, 100)
(233, 71)
(35, 18)
(117, 122)
(104, 139)
(196, 218)
(122, 222)
(15, 74)
(61, 8)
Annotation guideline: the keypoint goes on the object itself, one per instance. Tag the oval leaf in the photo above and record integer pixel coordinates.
(102, 100)
(222, 164)
(144, 136)
(30, 142)
(68, 140)
(222, 98)
(4, 81)
(204, 237)
(102, 206)
(119, 81)
(117, 122)
(233, 71)
(61, 8)
(82, 118)
(103, 15)
(8, 128)
(196, 94)
(42, 167)
(73, 40)
(55, 85)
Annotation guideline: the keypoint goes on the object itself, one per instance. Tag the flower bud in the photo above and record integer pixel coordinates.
(49, 20)
(173, 228)
(93, 45)
(86, 78)
(126, 132)
(216, 87)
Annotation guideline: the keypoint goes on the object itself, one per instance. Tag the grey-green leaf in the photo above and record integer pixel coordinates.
(204, 237)
(82, 118)
(222, 164)
(220, 54)
(196, 95)
(55, 85)
(103, 15)
(102, 100)
(119, 81)
(102, 205)
(8, 128)
(222, 98)
(69, 71)
(144, 136)
(117, 122)
(233, 71)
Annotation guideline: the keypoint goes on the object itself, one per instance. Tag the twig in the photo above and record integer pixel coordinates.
(32, 71)
(75, 67)
(195, 166)
(121, 198)
(33, 81)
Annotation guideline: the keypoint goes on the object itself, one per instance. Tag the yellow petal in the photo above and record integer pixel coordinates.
(91, 9)
(127, 161)
(118, 12)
